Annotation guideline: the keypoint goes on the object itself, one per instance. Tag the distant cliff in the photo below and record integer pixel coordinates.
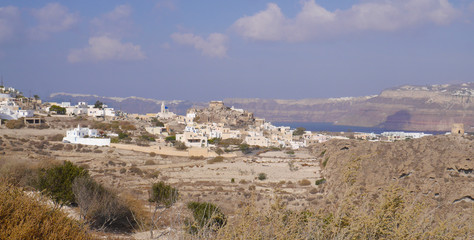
(128, 104)
(421, 108)
(416, 108)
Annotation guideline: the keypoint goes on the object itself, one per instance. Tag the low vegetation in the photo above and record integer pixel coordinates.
(57, 181)
(23, 216)
(15, 124)
(215, 160)
(207, 218)
(101, 207)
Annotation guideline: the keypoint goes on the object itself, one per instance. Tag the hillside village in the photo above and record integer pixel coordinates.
(201, 128)
(228, 157)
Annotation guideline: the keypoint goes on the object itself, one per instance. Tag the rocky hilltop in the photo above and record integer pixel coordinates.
(436, 170)
(417, 108)
(217, 112)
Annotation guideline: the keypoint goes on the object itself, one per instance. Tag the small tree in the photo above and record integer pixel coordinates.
(299, 131)
(245, 148)
(59, 110)
(164, 196)
(98, 104)
(180, 146)
(157, 123)
(57, 181)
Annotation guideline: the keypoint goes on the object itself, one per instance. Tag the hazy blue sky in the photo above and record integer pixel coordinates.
(203, 50)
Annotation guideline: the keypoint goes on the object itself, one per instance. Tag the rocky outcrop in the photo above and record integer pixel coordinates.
(436, 170)
(218, 113)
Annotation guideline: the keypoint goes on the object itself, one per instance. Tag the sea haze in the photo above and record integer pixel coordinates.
(329, 127)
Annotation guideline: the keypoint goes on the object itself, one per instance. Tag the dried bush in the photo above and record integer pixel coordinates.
(152, 154)
(15, 124)
(136, 170)
(56, 138)
(18, 173)
(394, 215)
(68, 147)
(207, 218)
(304, 182)
(27, 217)
(215, 160)
(149, 162)
(57, 147)
(180, 146)
(123, 170)
(101, 207)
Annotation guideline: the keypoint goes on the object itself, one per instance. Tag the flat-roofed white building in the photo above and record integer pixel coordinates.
(85, 136)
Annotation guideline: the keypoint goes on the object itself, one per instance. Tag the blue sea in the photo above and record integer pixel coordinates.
(329, 127)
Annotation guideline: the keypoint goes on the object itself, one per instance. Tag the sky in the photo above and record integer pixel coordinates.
(211, 50)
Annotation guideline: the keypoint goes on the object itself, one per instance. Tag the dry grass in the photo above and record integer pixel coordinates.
(392, 216)
(26, 217)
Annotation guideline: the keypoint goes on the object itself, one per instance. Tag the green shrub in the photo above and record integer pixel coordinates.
(262, 176)
(59, 110)
(163, 194)
(26, 217)
(299, 131)
(171, 139)
(114, 140)
(325, 161)
(147, 138)
(122, 135)
(245, 148)
(206, 216)
(232, 180)
(320, 181)
(57, 181)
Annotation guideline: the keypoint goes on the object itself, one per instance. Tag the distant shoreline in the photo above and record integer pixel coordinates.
(330, 127)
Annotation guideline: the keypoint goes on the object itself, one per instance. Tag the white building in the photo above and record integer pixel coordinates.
(165, 112)
(191, 139)
(258, 141)
(9, 110)
(393, 136)
(85, 136)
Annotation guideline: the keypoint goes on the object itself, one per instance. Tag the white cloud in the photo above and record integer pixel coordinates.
(214, 46)
(169, 4)
(9, 23)
(104, 48)
(314, 21)
(115, 23)
(52, 18)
